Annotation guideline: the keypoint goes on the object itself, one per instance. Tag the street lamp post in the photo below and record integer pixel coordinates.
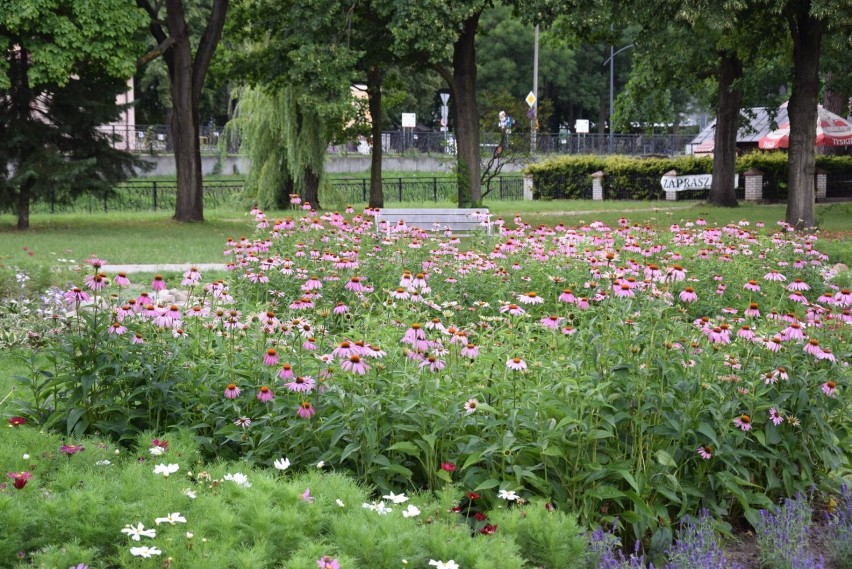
(534, 118)
(611, 61)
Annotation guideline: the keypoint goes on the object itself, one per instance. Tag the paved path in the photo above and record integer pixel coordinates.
(165, 268)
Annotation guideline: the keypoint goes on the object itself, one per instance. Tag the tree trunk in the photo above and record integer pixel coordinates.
(189, 204)
(311, 194)
(835, 101)
(467, 114)
(374, 100)
(806, 32)
(24, 204)
(722, 191)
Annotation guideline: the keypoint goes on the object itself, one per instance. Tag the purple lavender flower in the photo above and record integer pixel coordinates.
(696, 545)
(783, 536)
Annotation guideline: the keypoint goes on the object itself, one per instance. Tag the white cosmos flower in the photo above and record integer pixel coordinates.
(282, 464)
(320, 464)
(173, 519)
(381, 509)
(509, 495)
(444, 564)
(144, 551)
(339, 502)
(396, 498)
(239, 479)
(166, 469)
(136, 533)
(411, 511)
(156, 450)
(190, 493)
(367, 506)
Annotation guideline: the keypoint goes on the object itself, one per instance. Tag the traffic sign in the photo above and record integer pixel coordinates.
(530, 99)
(445, 97)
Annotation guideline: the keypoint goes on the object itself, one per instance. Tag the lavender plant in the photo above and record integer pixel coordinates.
(838, 530)
(783, 536)
(696, 546)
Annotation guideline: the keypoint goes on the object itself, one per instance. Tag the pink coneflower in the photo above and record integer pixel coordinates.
(675, 273)
(775, 416)
(413, 334)
(243, 422)
(719, 334)
(552, 322)
(512, 309)
(470, 351)
(752, 286)
(797, 296)
(623, 290)
(137, 339)
(271, 357)
(516, 364)
(303, 384)
(566, 296)
(95, 262)
(372, 351)
(829, 388)
(433, 363)
(20, 478)
(743, 422)
(232, 391)
(827, 354)
(306, 411)
(752, 311)
(354, 364)
(286, 372)
(774, 275)
(158, 283)
(793, 332)
(71, 450)
(773, 344)
(705, 452)
(746, 333)
(344, 350)
(117, 329)
(530, 298)
(568, 330)
(76, 295)
(265, 394)
(96, 282)
(400, 294)
(340, 308)
(583, 303)
(355, 285)
(419, 281)
(798, 284)
(688, 295)
(470, 406)
(812, 348)
(843, 297)
(310, 344)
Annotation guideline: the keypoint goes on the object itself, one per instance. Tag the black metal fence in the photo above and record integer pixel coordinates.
(434, 189)
(839, 186)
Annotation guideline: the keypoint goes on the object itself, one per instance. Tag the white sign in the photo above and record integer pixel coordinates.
(581, 126)
(530, 99)
(409, 120)
(445, 97)
(692, 182)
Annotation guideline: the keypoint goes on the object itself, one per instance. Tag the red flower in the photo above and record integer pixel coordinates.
(448, 467)
(164, 444)
(17, 421)
(472, 495)
(72, 449)
(480, 517)
(488, 529)
(20, 478)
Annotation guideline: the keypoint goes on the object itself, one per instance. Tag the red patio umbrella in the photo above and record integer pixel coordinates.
(832, 130)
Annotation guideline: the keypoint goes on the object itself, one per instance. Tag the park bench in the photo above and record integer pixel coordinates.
(458, 220)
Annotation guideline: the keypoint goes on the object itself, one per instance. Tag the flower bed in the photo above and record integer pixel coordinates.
(610, 370)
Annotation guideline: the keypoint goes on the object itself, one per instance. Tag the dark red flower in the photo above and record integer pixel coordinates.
(456, 509)
(480, 517)
(20, 478)
(488, 529)
(72, 449)
(472, 495)
(448, 466)
(17, 421)
(548, 506)
(164, 444)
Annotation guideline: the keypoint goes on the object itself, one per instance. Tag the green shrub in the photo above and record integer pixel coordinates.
(636, 178)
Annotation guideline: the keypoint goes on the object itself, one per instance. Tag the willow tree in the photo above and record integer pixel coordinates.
(286, 141)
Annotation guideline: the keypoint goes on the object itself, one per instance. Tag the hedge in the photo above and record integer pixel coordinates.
(625, 177)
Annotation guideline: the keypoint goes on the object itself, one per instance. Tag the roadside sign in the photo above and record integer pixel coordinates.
(444, 98)
(409, 120)
(581, 126)
(530, 99)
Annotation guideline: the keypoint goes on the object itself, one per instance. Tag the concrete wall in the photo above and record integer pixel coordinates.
(164, 165)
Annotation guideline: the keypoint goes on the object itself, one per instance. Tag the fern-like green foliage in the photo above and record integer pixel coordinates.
(549, 538)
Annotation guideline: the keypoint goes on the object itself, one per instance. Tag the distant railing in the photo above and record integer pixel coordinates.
(157, 139)
(154, 195)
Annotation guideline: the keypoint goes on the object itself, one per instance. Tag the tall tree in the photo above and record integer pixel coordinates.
(169, 27)
(61, 66)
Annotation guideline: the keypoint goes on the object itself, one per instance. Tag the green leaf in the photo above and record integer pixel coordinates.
(406, 447)
(665, 458)
(486, 484)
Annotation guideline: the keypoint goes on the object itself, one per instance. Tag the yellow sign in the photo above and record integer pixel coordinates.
(530, 99)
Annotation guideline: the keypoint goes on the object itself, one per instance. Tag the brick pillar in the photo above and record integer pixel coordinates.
(671, 196)
(821, 185)
(597, 186)
(528, 187)
(753, 185)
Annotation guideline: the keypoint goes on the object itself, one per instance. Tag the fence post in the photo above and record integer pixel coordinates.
(400, 188)
(671, 196)
(364, 188)
(528, 187)
(597, 186)
(753, 185)
(821, 185)
(154, 195)
(434, 188)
